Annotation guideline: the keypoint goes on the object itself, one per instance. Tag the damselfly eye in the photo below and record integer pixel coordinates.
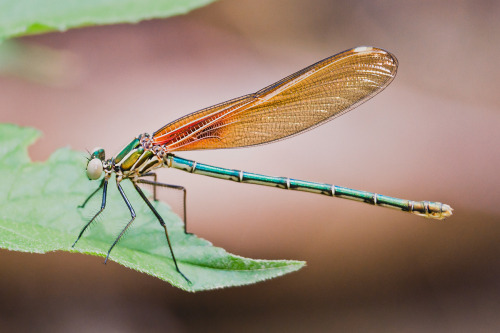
(98, 152)
(94, 169)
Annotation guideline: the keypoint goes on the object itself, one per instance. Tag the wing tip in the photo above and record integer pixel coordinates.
(364, 49)
(371, 49)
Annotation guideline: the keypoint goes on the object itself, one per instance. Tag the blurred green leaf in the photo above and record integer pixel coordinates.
(26, 17)
(38, 213)
(38, 64)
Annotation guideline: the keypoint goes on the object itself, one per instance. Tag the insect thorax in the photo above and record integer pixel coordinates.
(139, 157)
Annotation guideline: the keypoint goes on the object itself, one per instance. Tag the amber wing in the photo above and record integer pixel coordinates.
(297, 103)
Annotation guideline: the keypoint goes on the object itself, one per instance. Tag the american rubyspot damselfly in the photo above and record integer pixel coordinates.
(297, 103)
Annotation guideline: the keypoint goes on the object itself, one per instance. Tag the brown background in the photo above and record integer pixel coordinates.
(433, 135)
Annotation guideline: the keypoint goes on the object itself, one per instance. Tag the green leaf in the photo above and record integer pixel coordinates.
(38, 213)
(25, 17)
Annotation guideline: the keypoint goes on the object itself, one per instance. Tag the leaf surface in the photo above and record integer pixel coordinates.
(38, 213)
(26, 17)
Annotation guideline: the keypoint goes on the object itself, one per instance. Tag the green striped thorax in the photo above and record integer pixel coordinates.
(137, 158)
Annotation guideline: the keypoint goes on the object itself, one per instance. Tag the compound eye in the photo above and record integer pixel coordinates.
(94, 169)
(98, 152)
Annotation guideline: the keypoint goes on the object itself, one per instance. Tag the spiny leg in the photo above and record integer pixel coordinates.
(152, 174)
(103, 205)
(175, 187)
(162, 223)
(132, 214)
(92, 194)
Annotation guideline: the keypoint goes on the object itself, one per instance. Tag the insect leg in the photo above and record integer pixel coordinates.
(92, 194)
(104, 185)
(132, 214)
(160, 219)
(152, 174)
(175, 187)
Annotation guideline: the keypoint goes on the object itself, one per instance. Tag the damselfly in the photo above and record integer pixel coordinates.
(297, 103)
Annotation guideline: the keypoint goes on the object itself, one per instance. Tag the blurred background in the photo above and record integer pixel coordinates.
(431, 135)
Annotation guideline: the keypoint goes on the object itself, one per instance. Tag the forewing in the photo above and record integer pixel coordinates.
(299, 102)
